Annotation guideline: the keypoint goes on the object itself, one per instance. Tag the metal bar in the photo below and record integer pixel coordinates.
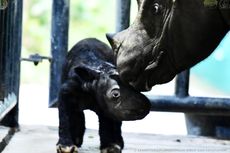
(11, 119)
(9, 107)
(123, 14)
(11, 35)
(59, 45)
(2, 47)
(2, 27)
(7, 48)
(18, 45)
(182, 84)
(198, 105)
(36, 58)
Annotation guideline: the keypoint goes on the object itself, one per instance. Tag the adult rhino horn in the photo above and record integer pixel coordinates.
(110, 38)
(114, 42)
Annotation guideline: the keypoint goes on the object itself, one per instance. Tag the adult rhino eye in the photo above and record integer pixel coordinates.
(156, 8)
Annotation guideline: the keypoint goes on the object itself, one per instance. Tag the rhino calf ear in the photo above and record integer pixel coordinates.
(86, 74)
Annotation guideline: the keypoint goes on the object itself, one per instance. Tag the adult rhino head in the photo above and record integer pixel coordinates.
(167, 37)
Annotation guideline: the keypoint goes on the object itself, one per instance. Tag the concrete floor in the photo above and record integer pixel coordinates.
(42, 139)
(3, 132)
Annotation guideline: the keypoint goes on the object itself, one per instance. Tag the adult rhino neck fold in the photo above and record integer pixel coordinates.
(163, 73)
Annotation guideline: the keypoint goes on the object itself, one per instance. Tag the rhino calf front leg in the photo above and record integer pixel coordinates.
(112, 149)
(67, 149)
(65, 143)
(110, 135)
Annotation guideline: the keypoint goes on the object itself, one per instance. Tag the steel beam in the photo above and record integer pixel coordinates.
(198, 105)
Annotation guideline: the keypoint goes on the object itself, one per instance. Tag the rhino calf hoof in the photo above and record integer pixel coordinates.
(112, 149)
(67, 149)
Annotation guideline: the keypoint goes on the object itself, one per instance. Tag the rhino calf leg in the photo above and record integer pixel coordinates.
(64, 124)
(76, 131)
(67, 149)
(112, 149)
(110, 135)
(77, 127)
(71, 124)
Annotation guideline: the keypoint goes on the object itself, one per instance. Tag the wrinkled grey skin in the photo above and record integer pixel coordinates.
(167, 37)
(90, 81)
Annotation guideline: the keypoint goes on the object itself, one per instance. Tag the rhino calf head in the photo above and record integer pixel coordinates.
(114, 98)
(118, 100)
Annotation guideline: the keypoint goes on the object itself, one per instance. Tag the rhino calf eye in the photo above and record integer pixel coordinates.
(156, 8)
(115, 93)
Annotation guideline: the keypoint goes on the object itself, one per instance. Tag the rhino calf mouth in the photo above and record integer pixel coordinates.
(135, 114)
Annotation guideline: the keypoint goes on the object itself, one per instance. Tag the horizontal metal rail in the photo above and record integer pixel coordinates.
(198, 105)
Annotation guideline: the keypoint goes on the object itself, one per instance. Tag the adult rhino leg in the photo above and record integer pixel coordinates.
(205, 125)
(110, 135)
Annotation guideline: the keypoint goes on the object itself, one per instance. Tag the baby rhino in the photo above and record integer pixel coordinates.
(90, 81)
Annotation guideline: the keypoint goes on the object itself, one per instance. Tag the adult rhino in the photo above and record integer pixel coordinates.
(167, 37)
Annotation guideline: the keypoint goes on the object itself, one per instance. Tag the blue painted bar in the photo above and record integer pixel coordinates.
(196, 105)
(10, 52)
(182, 84)
(122, 14)
(59, 45)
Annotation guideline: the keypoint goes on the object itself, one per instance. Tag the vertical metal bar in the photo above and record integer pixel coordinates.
(6, 50)
(17, 30)
(18, 44)
(182, 84)
(59, 45)
(11, 119)
(123, 14)
(2, 16)
(11, 62)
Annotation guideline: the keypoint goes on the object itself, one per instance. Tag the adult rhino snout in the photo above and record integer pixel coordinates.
(131, 56)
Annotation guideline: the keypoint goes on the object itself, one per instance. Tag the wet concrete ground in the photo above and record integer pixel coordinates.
(42, 139)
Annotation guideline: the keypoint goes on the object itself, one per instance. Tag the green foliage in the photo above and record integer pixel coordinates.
(91, 18)
(88, 18)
